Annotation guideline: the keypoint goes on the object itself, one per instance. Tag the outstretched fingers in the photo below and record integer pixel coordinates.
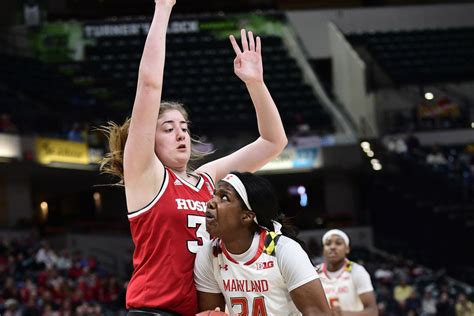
(258, 49)
(245, 44)
(251, 42)
(235, 46)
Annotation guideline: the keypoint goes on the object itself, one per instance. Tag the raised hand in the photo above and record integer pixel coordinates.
(248, 64)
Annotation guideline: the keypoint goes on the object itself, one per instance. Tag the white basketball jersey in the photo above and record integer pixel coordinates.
(255, 286)
(343, 290)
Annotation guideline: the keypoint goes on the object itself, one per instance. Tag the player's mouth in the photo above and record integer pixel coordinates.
(210, 216)
(181, 147)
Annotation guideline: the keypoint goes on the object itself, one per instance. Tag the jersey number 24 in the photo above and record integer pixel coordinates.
(258, 306)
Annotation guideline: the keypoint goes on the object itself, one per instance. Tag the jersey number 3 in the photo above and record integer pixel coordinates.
(199, 224)
(258, 306)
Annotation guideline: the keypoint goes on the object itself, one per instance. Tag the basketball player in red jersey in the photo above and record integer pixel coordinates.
(166, 201)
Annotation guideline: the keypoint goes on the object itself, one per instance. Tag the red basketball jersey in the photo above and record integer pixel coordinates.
(167, 234)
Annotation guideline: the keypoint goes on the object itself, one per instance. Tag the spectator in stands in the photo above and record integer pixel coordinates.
(39, 290)
(46, 256)
(9, 289)
(31, 309)
(12, 308)
(386, 304)
(64, 261)
(413, 304)
(402, 292)
(384, 275)
(6, 125)
(464, 307)
(428, 304)
(445, 306)
(347, 284)
(436, 157)
(165, 197)
(243, 216)
(75, 134)
(397, 145)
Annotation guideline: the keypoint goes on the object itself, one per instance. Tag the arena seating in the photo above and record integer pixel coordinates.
(198, 72)
(421, 56)
(38, 279)
(418, 203)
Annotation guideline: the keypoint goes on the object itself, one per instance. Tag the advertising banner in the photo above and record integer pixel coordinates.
(55, 150)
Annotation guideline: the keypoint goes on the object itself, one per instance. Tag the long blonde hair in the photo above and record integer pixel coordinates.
(117, 135)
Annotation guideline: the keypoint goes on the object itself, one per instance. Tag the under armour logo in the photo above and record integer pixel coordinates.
(224, 267)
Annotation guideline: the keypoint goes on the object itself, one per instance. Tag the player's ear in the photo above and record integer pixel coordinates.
(348, 249)
(248, 217)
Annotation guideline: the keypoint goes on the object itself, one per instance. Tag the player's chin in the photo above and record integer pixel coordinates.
(211, 228)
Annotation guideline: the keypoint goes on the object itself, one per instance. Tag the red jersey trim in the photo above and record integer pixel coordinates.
(261, 246)
(227, 254)
(153, 202)
(196, 187)
(347, 265)
(209, 178)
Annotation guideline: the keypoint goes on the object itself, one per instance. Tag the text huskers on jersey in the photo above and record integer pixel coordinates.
(186, 204)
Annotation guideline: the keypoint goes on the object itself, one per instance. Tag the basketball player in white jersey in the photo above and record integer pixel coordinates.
(254, 266)
(347, 284)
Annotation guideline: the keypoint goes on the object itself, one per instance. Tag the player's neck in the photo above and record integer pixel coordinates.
(238, 244)
(186, 175)
(335, 266)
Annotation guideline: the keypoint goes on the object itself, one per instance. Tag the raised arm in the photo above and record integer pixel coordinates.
(248, 67)
(143, 172)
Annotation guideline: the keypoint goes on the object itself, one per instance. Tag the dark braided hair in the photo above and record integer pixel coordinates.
(264, 203)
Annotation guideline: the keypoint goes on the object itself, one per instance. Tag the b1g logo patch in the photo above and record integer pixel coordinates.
(265, 265)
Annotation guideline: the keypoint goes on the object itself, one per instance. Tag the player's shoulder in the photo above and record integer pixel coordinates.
(209, 248)
(284, 241)
(214, 247)
(277, 243)
(355, 268)
(319, 269)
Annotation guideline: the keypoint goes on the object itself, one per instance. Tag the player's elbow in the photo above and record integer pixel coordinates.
(149, 81)
(279, 145)
(283, 142)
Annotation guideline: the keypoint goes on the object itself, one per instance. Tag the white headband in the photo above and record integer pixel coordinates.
(239, 187)
(336, 232)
